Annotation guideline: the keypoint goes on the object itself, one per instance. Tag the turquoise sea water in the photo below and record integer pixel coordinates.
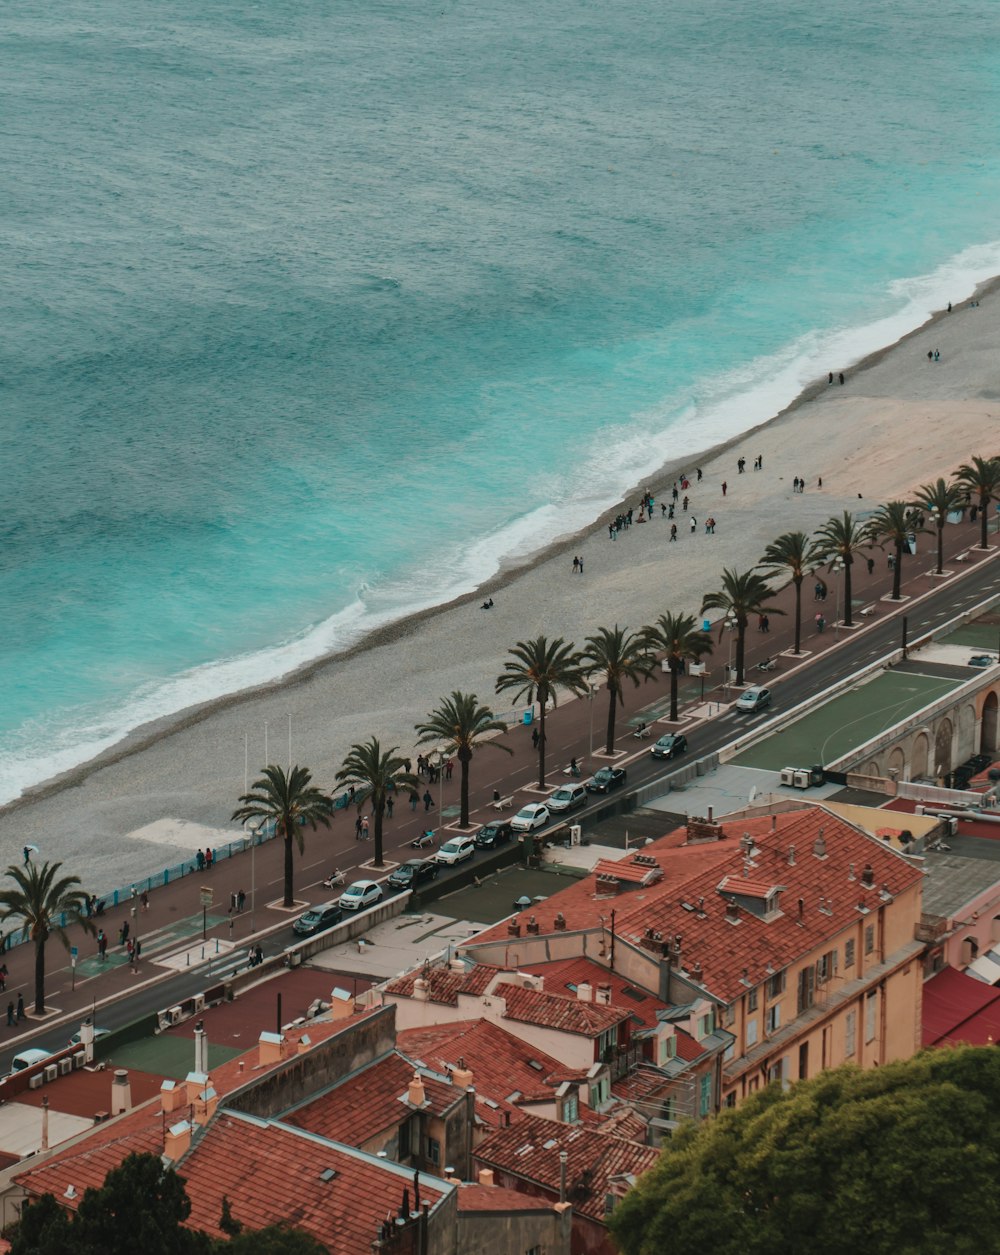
(312, 312)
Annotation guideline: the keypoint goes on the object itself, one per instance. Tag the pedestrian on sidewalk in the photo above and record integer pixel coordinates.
(102, 944)
(241, 900)
(3, 976)
(199, 858)
(123, 936)
(209, 858)
(428, 800)
(389, 805)
(534, 738)
(414, 799)
(449, 766)
(357, 827)
(364, 829)
(20, 1007)
(10, 1014)
(144, 899)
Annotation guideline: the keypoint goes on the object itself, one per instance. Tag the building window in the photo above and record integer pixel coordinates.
(729, 1015)
(850, 1034)
(599, 1093)
(705, 1096)
(731, 1098)
(571, 1109)
(870, 1008)
(606, 1043)
(776, 984)
(774, 1018)
(751, 1033)
(869, 939)
(826, 967)
(433, 1150)
(668, 1048)
(404, 1140)
(849, 953)
(706, 1025)
(807, 988)
(803, 1060)
(752, 999)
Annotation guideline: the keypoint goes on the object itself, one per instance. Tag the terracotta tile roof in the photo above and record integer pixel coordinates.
(444, 984)
(688, 1048)
(567, 1015)
(747, 887)
(626, 1123)
(831, 882)
(561, 973)
(494, 1198)
(530, 1150)
(501, 1064)
(272, 1173)
(371, 1102)
(640, 869)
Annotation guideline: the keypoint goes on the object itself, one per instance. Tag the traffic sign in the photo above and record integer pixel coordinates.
(206, 895)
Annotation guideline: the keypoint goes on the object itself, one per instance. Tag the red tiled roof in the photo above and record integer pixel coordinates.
(747, 887)
(272, 1174)
(959, 1008)
(626, 1123)
(371, 1101)
(635, 870)
(494, 1198)
(560, 973)
(444, 984)
(567, 1015)
(530, 1150)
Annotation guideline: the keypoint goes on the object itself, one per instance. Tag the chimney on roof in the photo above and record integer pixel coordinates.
(45, 1123)
(420, 989)
(416, 1095)
(791, 856)
(603, 995)
(514, 928)
(802, 909)
(868, 876)
(121, 1092)
(711, 814)
(486, 1176)
(559, 923)
(774, 822)
(584, 991)
(701, 830)
(205, 1104)
(200, 1047)
(269, 1049)
(172, 1096)
(532, 925)
(732, 913)
(461, 1076)
(696, 973)
(850, 872)
(563, 1160)
(177, 1140)
(819, 845)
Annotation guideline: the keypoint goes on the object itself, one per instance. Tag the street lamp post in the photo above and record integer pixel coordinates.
(836, 568)
(590, 697)
(730, 622)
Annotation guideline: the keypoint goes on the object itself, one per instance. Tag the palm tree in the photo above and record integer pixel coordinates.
(939, 500)
(535, 671)
(616, 654)
(742, 594)
(796, 553)
(894, 522)
(289, 802)
(982, 477)
(460, 723)
(841, 538)
(375, 773)
(44, 903)
(678, 637)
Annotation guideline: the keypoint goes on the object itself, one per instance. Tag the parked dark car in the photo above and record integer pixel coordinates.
(605, 779)
(317, 918)
(414, 873)
(492, 834)
(669, 746)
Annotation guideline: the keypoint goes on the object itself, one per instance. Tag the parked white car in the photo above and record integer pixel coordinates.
(457, 850)
(360, 895)
(528, 818)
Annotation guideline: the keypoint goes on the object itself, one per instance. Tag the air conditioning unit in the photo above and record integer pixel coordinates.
(801, 779)
(51, 1071)
(174, 1015)
(36, 1081)
(65, 1065)
(575, 834)
(80, 1059)
(199, 1003)
(788, 776)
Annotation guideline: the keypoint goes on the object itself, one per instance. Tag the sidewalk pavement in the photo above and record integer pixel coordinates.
(574, 729)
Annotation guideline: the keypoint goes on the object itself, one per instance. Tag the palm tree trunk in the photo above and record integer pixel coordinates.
(940, 532)
(609, 747)
(897, 574)
(741, 637)
(289, 896)
(464, 758)
(848, 609)
(541, 743)
(798, 614)
(40, 976)
(984, 521)
(673, 688)
(378, 812)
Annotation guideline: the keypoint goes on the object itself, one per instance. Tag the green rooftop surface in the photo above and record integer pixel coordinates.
(493, 899)
(166, 1055)
(841, 725)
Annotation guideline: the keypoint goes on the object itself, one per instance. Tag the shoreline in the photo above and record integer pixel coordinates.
(153, 732)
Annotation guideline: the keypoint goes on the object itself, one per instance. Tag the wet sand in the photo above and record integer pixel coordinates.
(898, 421)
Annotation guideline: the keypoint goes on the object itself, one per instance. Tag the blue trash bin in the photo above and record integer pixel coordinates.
(529, 716)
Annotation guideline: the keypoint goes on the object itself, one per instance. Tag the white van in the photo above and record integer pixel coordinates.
(567, 798)
(28, 1059)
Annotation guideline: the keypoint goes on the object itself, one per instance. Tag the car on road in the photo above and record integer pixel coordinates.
(754, 699)
(457, 850)
(317, 918)
(669, 746)
(605, 779)
(28, 1058)
(362, 894)
(99, 1035)
(496, 833)
(528, 818)
(414, 873)
(567, 798)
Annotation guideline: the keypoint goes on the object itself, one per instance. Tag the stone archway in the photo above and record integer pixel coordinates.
(966, 732)
(990, 725)
(897, 763)
(943, 748)
(919, 757)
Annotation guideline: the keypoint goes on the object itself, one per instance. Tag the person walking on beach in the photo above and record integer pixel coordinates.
(694, 525)
(27, 855)
(581, 572)
(841, 378)
(831, 377)
(725, 486)
(576, 565)
(673, 531)
(697, 471)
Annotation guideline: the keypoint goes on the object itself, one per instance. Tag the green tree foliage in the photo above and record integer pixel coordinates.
(742, 594)
(893, 522)
(460, 724)
(289, 802)
(40, 902)
(44, 1229)
(939, 500)
(274, 1240)
(897, 1160)
(680, 639)
(375, 773)
(617, 654)
(840, 539)
(535, 671)
(797, 554)
(981, 478)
